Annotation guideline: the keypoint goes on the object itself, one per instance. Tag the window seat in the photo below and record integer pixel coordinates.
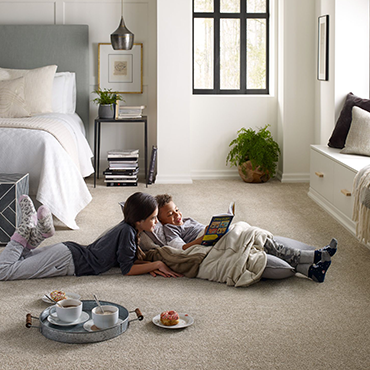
(331, 181)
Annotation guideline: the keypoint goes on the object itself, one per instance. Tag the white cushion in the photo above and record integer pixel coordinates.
(358, 139)
(12, 103)
(64, 92)
(38, 85)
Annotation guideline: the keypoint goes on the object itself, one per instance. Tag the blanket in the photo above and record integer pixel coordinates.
(53, 127)
(361, 208)
(238, 259)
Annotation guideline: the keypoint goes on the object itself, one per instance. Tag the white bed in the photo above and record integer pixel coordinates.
(56, 180)
(45, 115)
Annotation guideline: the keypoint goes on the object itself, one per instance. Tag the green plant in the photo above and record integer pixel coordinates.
(106, 96)
(257, 147)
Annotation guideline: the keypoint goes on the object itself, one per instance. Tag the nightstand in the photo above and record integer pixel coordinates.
(97, 134)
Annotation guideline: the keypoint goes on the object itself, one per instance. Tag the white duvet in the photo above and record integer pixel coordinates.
(56, 180)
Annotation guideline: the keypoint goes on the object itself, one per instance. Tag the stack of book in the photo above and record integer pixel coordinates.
(123, 168)
(126, 111)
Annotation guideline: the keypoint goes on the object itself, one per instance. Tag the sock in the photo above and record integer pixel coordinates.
(43, 229)
(28, 221)
(318, 271)
(329, 250)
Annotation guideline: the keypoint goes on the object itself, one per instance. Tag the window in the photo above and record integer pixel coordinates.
(230, 46)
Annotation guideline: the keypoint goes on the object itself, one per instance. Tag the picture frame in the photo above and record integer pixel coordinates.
(120, 70)
(323, 48)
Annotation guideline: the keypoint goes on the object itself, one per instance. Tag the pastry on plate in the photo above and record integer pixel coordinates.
(169, 318)
(57, 295)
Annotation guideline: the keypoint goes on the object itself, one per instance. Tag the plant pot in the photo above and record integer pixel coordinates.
(106, 111)
(248, 174)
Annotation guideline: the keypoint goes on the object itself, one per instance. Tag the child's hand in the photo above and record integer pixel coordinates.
(165, 271)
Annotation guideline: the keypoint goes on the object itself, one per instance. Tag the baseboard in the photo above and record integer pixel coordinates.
(173, 179)
(214, 175)
(293, 177)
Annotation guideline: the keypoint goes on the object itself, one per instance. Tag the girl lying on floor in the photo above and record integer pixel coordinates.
(117, 247)
(262, 254)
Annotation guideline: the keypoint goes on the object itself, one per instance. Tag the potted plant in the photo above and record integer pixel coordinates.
(106, 100)
(255, 154)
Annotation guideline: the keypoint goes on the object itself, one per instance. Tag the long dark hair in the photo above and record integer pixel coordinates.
(139, 206)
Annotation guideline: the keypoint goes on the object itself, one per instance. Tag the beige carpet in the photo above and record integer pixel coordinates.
(287, 324)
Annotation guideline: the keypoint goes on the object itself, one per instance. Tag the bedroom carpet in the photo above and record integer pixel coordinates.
(287, 324)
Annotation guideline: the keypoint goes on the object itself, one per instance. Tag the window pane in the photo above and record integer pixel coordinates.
(256, 54)
(256, 6)
(230, 6)
(230, 54)
(203, 53)
(203, 5)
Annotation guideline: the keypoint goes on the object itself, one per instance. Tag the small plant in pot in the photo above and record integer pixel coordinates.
(106, 100)
(255, 154)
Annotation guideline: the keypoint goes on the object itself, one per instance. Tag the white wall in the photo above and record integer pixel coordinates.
(103, 18)
(348, 61)
(193, 132)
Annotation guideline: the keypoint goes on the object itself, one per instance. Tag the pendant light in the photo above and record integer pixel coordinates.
(122, 38)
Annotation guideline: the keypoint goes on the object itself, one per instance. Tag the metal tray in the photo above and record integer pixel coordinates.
(77, 333)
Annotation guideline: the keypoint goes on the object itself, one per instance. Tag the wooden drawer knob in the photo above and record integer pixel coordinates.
(319, 174)
(346, 192)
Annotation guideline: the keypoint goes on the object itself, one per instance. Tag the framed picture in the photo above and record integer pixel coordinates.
(323, 49)
(121, 70)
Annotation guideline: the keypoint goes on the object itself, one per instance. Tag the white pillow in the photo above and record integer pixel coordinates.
(12, 103)
(64, 92)
(358, 138)
(38, 85)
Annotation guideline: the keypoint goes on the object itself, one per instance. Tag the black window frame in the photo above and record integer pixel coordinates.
(216, 15)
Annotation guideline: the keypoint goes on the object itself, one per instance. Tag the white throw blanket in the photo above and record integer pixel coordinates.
(53, 127)
(238, 259)
(361, 208)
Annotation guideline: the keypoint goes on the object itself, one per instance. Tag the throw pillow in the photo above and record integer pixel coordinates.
(12, 103)
(358, 139)
(38, 86)
(340, 132)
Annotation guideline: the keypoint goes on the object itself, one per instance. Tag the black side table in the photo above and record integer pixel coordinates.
(97, 133)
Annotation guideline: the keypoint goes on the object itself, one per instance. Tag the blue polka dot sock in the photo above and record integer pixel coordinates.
(328, 251)
(318, 270)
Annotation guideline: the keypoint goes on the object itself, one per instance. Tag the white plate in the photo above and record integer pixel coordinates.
(89, 325)
(185, 321)
(68, 295)
(55, 321)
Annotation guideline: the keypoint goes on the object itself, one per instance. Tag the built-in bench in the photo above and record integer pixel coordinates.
(331, 181)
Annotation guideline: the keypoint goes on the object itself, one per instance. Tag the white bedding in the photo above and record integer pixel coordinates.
(55, 179)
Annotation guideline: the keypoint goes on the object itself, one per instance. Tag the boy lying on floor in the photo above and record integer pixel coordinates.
(183, 233)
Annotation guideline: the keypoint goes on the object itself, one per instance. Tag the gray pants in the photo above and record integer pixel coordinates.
(17, 262)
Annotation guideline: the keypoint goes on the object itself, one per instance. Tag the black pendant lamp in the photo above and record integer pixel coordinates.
(122, 38)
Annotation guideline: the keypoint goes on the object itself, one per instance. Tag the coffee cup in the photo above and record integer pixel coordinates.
(106, 319)
(67, 310)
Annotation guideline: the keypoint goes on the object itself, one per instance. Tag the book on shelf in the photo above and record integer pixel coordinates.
(218, 226)
(127, 181)
(151, 175)
(129, 172)
(121, 184)
(124, 153)
(121, 177)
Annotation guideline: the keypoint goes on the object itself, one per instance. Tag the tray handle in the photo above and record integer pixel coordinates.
(138, 314)
(29, 318)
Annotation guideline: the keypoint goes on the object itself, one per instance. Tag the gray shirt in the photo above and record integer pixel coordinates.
(177, 236)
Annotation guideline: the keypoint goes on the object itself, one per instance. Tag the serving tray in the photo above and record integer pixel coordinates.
(77, 333)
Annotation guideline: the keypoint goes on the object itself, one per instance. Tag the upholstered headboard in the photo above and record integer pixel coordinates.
(33, 46)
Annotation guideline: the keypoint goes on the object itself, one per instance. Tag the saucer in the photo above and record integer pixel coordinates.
(55, 321)
(89, 325)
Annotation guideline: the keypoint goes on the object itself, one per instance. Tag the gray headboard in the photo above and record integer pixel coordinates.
(33, 46)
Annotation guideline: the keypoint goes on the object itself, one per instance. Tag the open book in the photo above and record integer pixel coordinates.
(218, 226)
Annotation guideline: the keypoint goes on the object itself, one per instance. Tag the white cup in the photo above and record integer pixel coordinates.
(107, 319)
(67, 310)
